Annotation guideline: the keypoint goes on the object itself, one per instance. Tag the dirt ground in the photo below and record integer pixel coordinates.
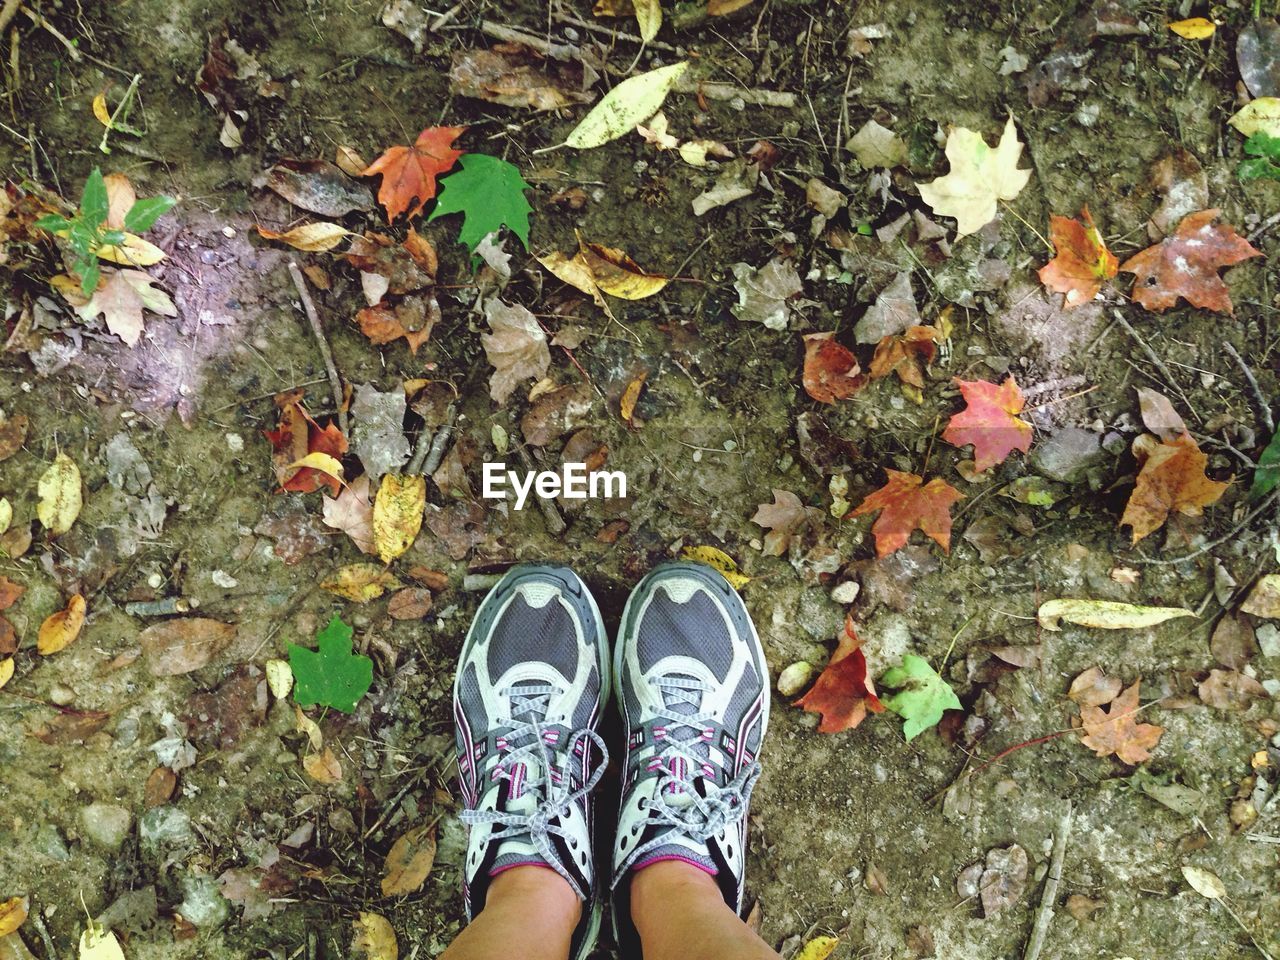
(861, 834)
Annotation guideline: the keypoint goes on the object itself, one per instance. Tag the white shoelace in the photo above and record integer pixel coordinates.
(551, 800)
(698, 817)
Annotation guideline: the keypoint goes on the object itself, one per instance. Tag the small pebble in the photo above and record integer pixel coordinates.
(62, 695)
(235, 442)
(846, 592)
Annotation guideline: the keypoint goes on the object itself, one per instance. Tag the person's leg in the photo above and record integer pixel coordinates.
(531, 913)
(680, 913)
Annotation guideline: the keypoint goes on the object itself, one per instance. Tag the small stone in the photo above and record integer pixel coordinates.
(106, 824)
(62, 695)
(223, 579)
(47, 841)
(846, 592)
(203, 904)
(1066, 454)
(163, 831)
(1268, 637)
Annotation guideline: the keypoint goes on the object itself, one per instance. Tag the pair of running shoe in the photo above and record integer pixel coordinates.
(533, 681)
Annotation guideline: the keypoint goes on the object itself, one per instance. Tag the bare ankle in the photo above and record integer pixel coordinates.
(525, 885)
(654, 888)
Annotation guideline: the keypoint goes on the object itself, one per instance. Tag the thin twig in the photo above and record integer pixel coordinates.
(309, 308)
(1044, 916)
(9, 12)
(550, 513)
(1155, 358)
(1263, 407)
(54, 32)
(37, 921)
(1258, 510)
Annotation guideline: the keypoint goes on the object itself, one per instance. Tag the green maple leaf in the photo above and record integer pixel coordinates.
(1267, 474)
(489, 193)
(922, 695)
(332, 676)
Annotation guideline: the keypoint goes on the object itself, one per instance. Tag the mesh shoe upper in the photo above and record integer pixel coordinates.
(532, 680)
(693, 687)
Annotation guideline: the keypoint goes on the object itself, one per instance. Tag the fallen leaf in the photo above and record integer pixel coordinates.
(1186, 265)
(279, 678)
(877, 146)
(361, 582)
(349, 160)
(516, 75)
(1104, 614)
(1094, 688)
(459, 526)
(6, 671)
(1082, 908)
(990, 422)
(71, 727)
(630, 397)
(907, 503)
(517, 348)
(1003, 880)
(412, 603)
(1230, 690)
(323, 767)
(374, 939)
(409, 861)
(318, 186)
(906, 355)
(1195, 28)
(296, 436)
(1116, 731)
(1261, 115)
(1082, 262)
(1264, 598)
(158, 790)
(99, 944)
(489, 193)
(1158, 415)
(831, 371)
(1172, 479)
(331, 675)
(893, 313)
(735, 181)
(352, 513)
(1204, 882)
(175, 647)
(409, 173)
(633, 101)
(980, 176)
(304, 724)
(819, 948)
(764, 295)
(13, 914)
(843, 692)
(133, 252)
(310, 237)
(9, 592)
(922, 695)
(13, 434)
(378, 435)
(61, 628)
(1258, 57)
(322, 462)
(397, 514)
(596, 269)
(781, 519)
(1233, 643)
(719, 561)
(60, 497)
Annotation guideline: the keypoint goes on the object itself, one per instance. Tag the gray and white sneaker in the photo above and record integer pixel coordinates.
(694, 691)
(532, 681)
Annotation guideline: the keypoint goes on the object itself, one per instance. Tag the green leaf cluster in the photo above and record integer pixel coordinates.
(1264, 163)
(87, 232)
(331, 675)
(922, 695)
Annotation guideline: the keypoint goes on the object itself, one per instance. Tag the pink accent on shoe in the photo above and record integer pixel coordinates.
(710, 871)
(519, 863)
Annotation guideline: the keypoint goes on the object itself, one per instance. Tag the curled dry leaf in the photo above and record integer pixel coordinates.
(630, 397)
(13, 914)
(310, 237)
(907, 503)
(175, 647)
(61, 628)
(516, 75)
(374, 937)
(990, 422)
(1117, 731)
(361, 582)
(1264, 598)
(906, 355)
(831, 371)
(843, 692)
(596, 269)
(1186, 265)
(323, 767)
(719, 561)
(1158, 415)
(1082, 263)
(1105, 614)
(409, 861)
(1172, 479)
(1094, 688)
(1204, 882)
(296, 436)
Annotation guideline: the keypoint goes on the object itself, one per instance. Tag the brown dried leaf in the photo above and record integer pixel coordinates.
(1094, 688)
(1229, 690)
(179, 646)
(409, 862)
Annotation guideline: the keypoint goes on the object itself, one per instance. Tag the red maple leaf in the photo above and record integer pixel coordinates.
(296, 436)
(1186, 265)
(831, 371)
(409, 173)
(907, 503)
(1082, 263)
(989, 422)
(843, 692)
(906, 354)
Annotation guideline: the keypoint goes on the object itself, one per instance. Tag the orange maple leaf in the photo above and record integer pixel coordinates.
(989, 422)
(1082, 263)
(906, 355)
(843, 692)
(296, 436)
(1117, 730)
(409, 173)
(1186, 265)
(1172, 478)
(831, 371)
(906, 503)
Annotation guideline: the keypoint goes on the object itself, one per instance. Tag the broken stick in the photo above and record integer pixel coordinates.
(1044, 916)
(309, 308)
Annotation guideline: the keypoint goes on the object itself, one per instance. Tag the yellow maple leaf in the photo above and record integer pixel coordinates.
(980, 176)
